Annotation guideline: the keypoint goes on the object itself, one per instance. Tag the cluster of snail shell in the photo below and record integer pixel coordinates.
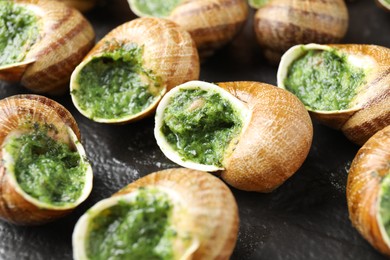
(265, 153)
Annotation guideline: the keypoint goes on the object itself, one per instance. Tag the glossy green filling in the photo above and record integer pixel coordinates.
(323, 80)
(139, 229)
(157, 8)
(18, 32)
(258, 3)
(384, 203)
(47, 170)
(115, 85)
(200, 124)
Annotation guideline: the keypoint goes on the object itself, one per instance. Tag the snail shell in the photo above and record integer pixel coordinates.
(211, 23)
(16, 206)
(282, 24)
(81, 5)
(204, 208)
(370, 109)
(274, 141)
(369, 171)
(168, 52)
(65, 36)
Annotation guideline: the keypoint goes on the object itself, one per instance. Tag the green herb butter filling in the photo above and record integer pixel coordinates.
(323, 80)
(115, 85)
(384, 204)
(136, 229)
(200, 124)
(18, 32)
(47, 170)
(156, 8)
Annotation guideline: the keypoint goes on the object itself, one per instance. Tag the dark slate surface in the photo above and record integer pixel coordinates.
(306, 218)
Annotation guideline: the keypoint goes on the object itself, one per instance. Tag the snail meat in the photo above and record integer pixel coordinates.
(171, 214)
(126, 74)
(368, 191)
(343, 86)
(246, 130)
(44, 172)
(41, 42)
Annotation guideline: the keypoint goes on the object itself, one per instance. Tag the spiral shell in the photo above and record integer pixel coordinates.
(204, 207)
(370, 109)
(168, 52)
(211, 23)
(65, 36)
(281, 24)
(272, 145)
(368, 173)
(16, 206)
(82, 5)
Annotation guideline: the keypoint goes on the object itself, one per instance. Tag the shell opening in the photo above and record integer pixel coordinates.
(155, 8)
(19, 30)
(139, 224)
(47, 167)
(383, 215)
(198, 123)
(115, 86)
(322, 78)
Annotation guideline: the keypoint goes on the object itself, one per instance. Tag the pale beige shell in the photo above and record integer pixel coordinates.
(282, 24)
(65, 37)
(15, 205)
(211, 23)
(384, 4)
(168, 52)
(370, 110)
(82, 5)
(369, 167)
(208, 212)
(274, 142)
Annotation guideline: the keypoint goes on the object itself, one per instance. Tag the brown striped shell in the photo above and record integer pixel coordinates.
(204, 208)
(168, 52)
(370, 109)
(369, 167)
(65, 37)
(16, 206)
(282, 24)
(82, 5)
(211, 23)
(275, 140)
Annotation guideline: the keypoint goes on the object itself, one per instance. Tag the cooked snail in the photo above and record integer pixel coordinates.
(170, 214)
(211, 23)
(368, 191)
(343, 86)
(82, 5)
(384, 3)
(256, 134)
(42, 42)
(125, 75)
(44, 173)
(282, 24)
